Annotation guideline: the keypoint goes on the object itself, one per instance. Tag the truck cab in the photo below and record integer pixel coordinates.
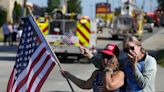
(124, 25)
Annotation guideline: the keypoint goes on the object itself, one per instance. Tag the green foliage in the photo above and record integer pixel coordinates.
(160, 58)
(52, 4)
(3, 15)
(74, 6)
(117, 11)
(161, 4)
(17, 12)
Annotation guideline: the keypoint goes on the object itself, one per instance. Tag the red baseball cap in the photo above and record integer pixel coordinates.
(111, 49)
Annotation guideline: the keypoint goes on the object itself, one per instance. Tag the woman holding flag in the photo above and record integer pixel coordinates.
(108, 78)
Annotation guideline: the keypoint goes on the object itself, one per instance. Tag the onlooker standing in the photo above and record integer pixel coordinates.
(14, 34)
(10, 27)
(6, 34)
(141, 68)
(20, 30)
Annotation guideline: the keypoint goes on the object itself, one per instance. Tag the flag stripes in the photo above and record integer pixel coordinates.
(39, 60)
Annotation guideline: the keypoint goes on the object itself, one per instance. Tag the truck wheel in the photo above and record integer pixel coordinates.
(115, 37)
(150, 30)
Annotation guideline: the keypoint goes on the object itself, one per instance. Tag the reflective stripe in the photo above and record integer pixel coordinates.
(83, 32)
(43, 25)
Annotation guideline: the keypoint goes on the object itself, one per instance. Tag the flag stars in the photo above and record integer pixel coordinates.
(34, 38)
(29, 51)
(17, 66)
(26, 46)
(25, 58)
(32, 33)
(20, 65)
(28, 40)
(28, 57)
(29, 28)
(20, 58)
(26, 52)
(24, 35)
(19, 71)
(21, 53)
(23, 41)
(30, 45)
(28, 34)
(24, 64)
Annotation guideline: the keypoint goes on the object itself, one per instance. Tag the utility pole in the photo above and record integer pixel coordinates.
(151, 5)
(142, 7)
(24, 8)
(91, 12)
(106, 15)
(128, 7)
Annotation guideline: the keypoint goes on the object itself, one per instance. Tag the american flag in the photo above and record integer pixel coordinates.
(34, 60)
(70, 39)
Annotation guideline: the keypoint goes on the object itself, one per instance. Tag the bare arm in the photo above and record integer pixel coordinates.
(114, 81)
(84, 84)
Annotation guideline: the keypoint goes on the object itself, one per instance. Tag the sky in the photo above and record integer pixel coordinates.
(88, 6)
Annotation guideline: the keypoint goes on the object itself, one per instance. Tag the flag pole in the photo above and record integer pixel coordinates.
(54, 55)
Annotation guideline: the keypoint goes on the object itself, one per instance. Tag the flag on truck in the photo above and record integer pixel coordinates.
(34, 60)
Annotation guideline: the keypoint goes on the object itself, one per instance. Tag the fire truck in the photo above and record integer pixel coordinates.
(125, 25)
(84, 29)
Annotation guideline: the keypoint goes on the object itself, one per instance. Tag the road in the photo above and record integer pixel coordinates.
(55, 82)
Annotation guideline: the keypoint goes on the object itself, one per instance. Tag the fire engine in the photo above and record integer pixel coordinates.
(83, 28)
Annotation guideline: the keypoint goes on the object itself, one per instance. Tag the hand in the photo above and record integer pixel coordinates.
(109, 70)
(64, 73)
(133, 57)
(86, 52)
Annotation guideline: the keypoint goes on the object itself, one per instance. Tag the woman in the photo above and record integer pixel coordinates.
(108, 78)
(141, 68)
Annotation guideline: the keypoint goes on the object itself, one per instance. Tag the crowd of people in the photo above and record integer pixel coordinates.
(11, 32)
(136, 74)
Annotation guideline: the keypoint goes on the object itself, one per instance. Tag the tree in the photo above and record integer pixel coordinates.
(17, 12)
(3, 16)
(117, 11)
(74, 6)
(52, 4)
(161, 4)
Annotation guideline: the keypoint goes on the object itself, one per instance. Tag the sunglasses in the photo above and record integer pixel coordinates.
(128, 49)
(107, 56)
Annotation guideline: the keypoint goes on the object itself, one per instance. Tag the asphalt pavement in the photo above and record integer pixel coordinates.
(7, 57)
(153, 44)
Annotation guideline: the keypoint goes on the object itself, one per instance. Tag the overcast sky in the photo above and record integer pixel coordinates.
(88, 6)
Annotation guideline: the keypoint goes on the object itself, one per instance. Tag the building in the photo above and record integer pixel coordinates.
(128, 7)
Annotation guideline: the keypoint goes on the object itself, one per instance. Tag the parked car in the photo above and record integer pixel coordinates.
(148, 23)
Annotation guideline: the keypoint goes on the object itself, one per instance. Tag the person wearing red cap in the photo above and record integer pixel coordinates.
(107, 78)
